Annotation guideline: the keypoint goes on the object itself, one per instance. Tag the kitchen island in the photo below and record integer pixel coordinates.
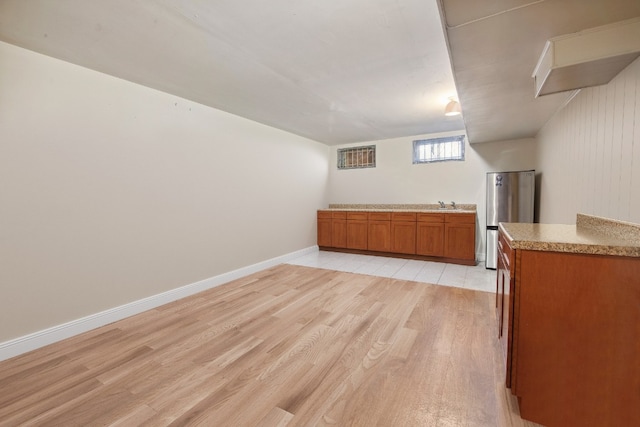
(568, 312)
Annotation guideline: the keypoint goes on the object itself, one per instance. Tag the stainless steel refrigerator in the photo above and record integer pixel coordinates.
(510, 198)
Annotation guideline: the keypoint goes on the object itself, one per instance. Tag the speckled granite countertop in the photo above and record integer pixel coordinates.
(590, 235)
(461, 208)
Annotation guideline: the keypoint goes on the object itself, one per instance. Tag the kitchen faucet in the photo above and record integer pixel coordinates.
(441, 204)
(453, 205)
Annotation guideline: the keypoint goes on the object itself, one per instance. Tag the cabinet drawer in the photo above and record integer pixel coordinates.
(379, 216)
(403, 216)
(506, 259)
(461, 218)
(430, 217)
(360, 216)
(506, 252)
(339, 215)
(324, 214)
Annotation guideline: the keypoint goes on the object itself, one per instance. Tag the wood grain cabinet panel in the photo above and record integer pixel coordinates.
(460, 236)
(379, 231)
(430, 217)
(339, 229)
(403, 233)
(404, 216)
(425, 235)
(572, 347)
(504, 301)
(379, 216)
(357, 230)
(324, 229)
(430, 234)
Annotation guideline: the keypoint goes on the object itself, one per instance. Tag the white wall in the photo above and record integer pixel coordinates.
(396, 180)
(589, 153)
(111, 192)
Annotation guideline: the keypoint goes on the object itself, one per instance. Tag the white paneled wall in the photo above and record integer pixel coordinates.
(589, 153)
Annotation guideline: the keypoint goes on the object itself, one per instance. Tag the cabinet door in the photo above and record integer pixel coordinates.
(338, 229)
(503, 312)
(324, 229)
(460, 241)
(505, 287)
(379, 236)
(339, 233)
(507, 322)
(430, 239)
(357, 234)
(499, 295)
(403, 237)
(460, 236)
(576, 344)
(357, 230)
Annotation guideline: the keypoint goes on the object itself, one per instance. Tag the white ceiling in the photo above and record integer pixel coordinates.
(335, 71)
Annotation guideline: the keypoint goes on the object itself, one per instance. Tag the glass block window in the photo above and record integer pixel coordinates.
(438, 149)
(357, 157)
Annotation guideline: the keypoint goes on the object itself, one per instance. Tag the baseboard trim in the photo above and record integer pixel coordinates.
(26, 343)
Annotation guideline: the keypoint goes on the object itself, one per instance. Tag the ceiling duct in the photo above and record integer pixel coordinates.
(588, 58)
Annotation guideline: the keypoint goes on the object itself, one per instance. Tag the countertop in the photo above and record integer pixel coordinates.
(426, 208)
(590, 235)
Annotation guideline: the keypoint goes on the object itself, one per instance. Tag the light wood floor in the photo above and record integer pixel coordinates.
(289, 346)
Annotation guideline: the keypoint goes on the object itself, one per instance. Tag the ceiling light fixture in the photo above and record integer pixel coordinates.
(452, 108)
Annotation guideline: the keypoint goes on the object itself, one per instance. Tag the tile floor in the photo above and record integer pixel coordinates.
(476, 277)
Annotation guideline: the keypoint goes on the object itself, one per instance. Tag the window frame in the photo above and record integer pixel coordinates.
(418, 143)
(363, 150)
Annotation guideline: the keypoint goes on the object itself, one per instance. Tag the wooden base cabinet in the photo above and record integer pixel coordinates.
(460, 236)
(430, 234)
(436, 236)
(324, 229)
(379, 232)
(357, 230)
(403, 233)
(573, 358)
(504, 301)
(339, 229)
